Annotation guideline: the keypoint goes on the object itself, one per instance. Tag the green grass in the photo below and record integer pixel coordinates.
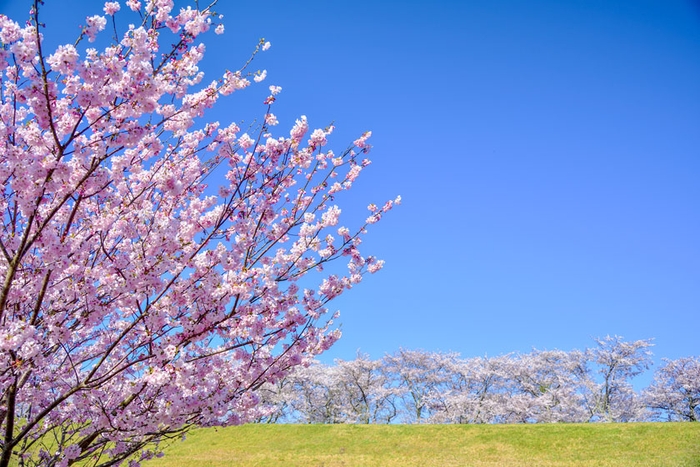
(600, 445)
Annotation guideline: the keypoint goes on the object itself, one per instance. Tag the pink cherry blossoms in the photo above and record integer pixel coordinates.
(157, 269)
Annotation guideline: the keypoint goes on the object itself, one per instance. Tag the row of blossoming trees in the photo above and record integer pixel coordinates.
(414, 386)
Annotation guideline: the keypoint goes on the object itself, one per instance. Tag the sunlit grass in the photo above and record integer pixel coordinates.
(600, 445)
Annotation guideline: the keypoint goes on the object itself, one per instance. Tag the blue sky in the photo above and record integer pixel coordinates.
(547, 154)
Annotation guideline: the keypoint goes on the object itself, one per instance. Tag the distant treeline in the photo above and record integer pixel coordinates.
(543, 386)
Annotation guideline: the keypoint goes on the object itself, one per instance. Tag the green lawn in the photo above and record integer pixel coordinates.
(600, 445)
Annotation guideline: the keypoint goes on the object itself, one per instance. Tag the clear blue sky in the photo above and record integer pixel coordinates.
(547, 154)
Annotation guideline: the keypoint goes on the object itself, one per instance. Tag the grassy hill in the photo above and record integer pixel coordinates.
(600, 445)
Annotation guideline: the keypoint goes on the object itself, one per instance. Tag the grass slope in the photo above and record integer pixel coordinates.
(600, 445)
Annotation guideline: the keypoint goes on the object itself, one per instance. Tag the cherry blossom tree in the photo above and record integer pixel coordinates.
(420, 377)
(546, 387)
(368, 394)
(674, 394)
(276, 400)
(157, 267)
(477, 392)
(607, 389)
(315, 395)
(350, 391)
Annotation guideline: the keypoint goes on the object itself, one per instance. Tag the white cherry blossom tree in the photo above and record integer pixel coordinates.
(674, 394)
(608, 392)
